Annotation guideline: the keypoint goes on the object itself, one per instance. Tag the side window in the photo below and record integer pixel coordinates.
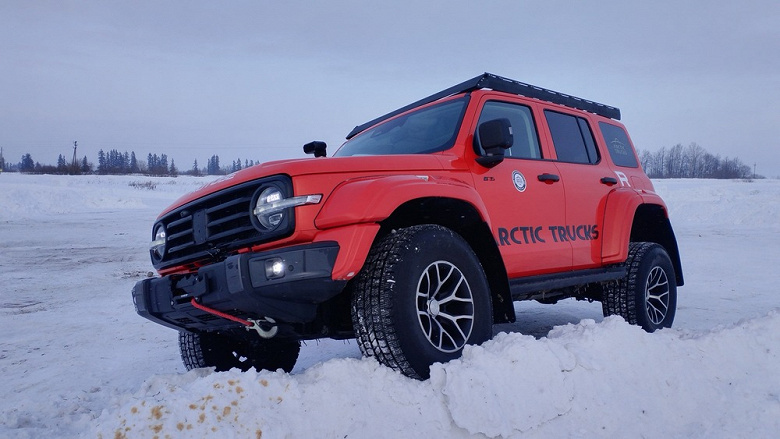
(526, 143)
(618, 145)
(572, 138)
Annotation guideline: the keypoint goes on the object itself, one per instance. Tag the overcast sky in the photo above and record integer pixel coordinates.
(256, 80)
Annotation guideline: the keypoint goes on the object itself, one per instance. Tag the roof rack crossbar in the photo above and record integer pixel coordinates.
(498, 83)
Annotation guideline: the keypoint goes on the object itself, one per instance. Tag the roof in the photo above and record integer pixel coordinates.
(498, 83)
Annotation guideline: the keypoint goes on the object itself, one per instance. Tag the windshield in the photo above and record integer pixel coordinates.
(423, 131)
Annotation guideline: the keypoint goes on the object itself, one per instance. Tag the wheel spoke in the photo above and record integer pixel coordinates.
(658, 280)
(427, 328)
(454, 322)
(442, 281)
(425, 285)
(443, 336)
(453, 295)
(658, 309)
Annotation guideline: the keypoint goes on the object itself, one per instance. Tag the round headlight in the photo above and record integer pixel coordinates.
(158, 244)
(270, 209)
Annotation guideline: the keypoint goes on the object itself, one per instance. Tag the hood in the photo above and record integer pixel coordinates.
(349, 166)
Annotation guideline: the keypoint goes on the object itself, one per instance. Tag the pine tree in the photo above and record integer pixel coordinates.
(173, 171)
(101, 162)
(133, 164)
(213, 166)
(27, 164)
(62, 164)
(85, 166)
(155, 165)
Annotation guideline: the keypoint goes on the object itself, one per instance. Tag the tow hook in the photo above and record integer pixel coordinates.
(265, 327)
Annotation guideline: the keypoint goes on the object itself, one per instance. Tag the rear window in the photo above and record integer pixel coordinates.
(618, 145)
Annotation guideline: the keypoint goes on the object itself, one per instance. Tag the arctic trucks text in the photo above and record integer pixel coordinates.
(417, 235)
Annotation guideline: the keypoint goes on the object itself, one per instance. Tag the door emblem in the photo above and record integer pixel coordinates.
(519, 180)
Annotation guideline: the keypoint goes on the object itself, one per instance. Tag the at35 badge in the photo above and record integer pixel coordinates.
(519, 180)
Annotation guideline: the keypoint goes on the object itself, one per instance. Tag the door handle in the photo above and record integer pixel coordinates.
(609, 181)
(549, 178)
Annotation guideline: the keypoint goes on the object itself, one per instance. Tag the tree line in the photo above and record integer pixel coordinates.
(115, 162)
(692, 161)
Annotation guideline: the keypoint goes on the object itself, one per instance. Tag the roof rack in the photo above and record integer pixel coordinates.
(498, 83)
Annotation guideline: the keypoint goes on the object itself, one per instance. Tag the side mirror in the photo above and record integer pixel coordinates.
(317, 148)
(494, 136)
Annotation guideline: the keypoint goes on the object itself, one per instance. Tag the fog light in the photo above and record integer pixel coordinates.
(274, 268)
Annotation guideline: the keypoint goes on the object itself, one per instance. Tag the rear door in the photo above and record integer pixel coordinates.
(587, 180)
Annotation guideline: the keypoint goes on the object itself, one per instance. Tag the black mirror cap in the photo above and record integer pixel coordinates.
(318, 148)
(494, 136)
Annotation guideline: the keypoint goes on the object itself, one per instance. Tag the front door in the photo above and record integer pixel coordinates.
(524, 197)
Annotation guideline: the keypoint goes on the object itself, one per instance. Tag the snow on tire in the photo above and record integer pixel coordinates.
(420, 298)
(647, 296)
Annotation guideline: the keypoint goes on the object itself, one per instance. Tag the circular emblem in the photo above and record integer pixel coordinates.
(519, 181)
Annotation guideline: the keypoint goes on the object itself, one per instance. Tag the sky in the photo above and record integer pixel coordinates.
(258, 79)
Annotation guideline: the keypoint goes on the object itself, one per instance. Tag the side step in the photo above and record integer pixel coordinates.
(526, 288)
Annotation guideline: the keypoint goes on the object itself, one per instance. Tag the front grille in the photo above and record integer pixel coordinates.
(211, 227)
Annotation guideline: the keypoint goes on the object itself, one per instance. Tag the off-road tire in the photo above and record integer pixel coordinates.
(420, 298)
(225, 352)
(647, 296)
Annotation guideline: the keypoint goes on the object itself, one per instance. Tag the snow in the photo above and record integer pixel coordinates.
(77, 361)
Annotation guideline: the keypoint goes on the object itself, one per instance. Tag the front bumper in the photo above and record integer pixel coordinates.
(244, 285)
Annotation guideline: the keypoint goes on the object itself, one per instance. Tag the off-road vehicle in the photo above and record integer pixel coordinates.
(417, 235)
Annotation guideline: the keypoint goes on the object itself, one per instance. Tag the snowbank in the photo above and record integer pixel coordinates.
(586, 380)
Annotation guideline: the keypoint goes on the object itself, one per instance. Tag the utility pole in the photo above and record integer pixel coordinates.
(754, 171)
(74, 166)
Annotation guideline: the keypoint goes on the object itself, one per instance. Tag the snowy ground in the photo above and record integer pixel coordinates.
(76, 361)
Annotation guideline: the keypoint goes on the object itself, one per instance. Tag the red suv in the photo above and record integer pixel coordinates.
(417, 235)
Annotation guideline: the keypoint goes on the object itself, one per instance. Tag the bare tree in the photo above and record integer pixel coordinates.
(694, 155)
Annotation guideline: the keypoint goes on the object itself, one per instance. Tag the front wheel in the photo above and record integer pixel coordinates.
(420, 298)
(647, 296)
(225, 352)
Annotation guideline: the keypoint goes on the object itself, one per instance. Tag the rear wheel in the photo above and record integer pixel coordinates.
(647, 296)
(421, 297)
(225, 352)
